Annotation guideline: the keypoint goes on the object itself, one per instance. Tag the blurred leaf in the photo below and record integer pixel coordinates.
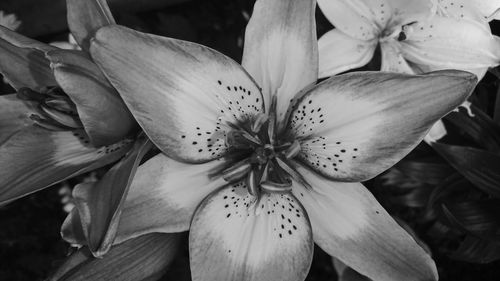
(480, 128)
(480, 167)
(496, 112)
(427, 170)
(448, 189)
(479, 218)
(415, 198)
(477, 251)
(143, 258)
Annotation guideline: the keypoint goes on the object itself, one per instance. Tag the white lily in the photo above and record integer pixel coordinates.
(257, 163)
(411, 38)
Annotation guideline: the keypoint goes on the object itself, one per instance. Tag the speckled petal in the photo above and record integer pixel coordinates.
(234, 236)
(281, 51)
(183, 94)
(354, 126)
(361, 19)
(448, 43)
(460, 9)
(349, 224)
(338, 52)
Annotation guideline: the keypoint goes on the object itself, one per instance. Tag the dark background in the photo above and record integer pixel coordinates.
(30, 245)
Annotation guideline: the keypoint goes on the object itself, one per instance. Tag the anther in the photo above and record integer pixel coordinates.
(291, 171)
(276, 187)
(259, 122)
(252, 183)
(293, 150)
(272, 120)
(61, 118)
(241, 139)
(47, 124)
(61, 104)
(236, 172)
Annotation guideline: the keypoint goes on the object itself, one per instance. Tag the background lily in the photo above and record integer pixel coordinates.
(411, 38)
(256, 162)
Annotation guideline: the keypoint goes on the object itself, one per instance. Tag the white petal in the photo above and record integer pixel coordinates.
(448, 43)
(235, 236)
(338, 52)
(461, 9)
(361, 19)
(281, 49)
(164, 195)
(393, 60)
(349, 224)
(354, 126)
(181, 93)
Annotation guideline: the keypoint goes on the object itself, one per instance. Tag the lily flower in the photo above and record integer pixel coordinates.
(259, 162)
(411, 38)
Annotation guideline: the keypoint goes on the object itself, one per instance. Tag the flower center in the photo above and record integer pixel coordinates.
(57, 111)
(261, 158)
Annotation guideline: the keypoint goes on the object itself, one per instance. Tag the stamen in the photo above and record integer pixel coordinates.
(291, 171)
(272, 120)
(47, 124)
(252, 183)
(293, 150)
(236, 172)
(62, 118)
(241, 139)
(62, 104)
(265, 172)
(276, 187)
(259, 122)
